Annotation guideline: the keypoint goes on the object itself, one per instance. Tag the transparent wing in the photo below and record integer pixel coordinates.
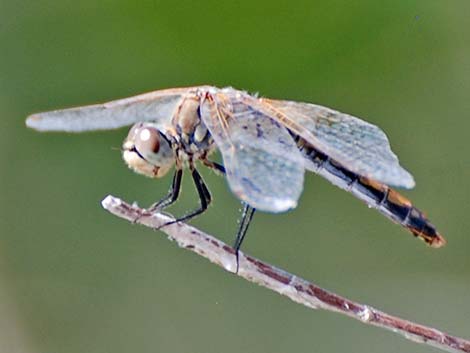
(152, 106)
(359, 146)
(263, 165)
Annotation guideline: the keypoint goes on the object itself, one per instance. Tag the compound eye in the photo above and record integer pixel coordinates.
(147, 141)
(147, 151)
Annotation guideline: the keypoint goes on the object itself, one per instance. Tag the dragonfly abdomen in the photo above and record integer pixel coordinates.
(376, 195)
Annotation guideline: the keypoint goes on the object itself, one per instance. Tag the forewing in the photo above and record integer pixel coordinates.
(263, 165)
(153, 106)
(358, 145)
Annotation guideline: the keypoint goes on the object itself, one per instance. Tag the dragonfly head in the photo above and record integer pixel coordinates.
(147, 151)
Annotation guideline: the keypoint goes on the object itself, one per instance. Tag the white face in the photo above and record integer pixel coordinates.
(147, 151)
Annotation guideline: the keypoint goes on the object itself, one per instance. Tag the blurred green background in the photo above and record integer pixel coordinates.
(73, 278)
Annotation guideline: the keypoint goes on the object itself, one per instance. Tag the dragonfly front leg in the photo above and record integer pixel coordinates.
(168, 199)
(204, 198)
(172, 194)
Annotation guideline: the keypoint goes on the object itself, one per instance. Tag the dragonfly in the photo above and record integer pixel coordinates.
(266, 146)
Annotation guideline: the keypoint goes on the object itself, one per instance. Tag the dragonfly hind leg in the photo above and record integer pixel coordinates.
(247, 216)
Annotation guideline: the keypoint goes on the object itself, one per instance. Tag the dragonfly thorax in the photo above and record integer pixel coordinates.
(190, 134)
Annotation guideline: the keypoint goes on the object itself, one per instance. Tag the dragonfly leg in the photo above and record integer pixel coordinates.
(247, 216)
(204, 197)
(214, 165)
(168, 199)
(172, 194)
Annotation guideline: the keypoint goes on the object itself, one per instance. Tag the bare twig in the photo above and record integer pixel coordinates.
(266, 275)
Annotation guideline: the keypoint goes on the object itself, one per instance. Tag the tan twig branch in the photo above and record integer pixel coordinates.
(291, 286)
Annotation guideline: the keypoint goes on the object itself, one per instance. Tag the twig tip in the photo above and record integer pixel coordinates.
(110, 201)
